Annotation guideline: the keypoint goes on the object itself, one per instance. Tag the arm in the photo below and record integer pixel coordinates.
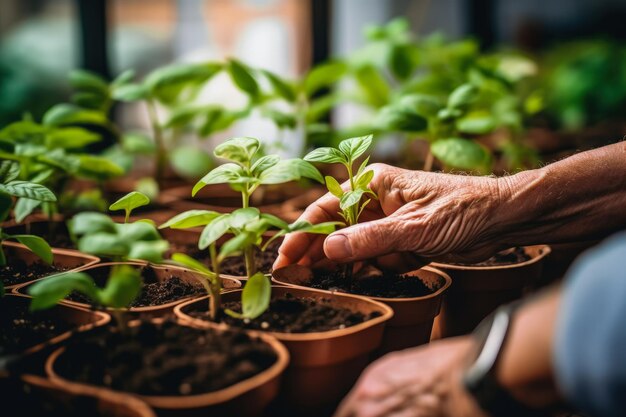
(423, 216)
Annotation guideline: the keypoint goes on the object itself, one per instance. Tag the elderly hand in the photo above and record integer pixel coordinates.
(419, 382)
(418, 215)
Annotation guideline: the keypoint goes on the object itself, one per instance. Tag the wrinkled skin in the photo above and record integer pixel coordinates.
(419, 217)
(418, 382)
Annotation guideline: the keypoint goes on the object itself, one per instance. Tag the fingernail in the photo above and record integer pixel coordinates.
(338, 247)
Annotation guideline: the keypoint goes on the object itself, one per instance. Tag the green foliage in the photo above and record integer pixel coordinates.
(348, 151)
(462, 154)
(122, 287)
(129, 202)
(255, 298)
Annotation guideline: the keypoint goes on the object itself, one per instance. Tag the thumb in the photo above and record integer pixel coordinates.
(366, 240)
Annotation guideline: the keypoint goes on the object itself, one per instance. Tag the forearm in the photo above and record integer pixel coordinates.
(526, 367)
(579, 198)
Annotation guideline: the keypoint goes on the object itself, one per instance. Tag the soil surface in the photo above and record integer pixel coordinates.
(165, 359)
(26, 400)
(387, 285)
(153, 292)
(234, 265)
(506, 257)
(289, 314)
(17, 271)
(20, 329)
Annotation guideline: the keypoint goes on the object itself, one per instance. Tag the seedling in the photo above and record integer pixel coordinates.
(244, 174)
(99, 235)
(351, 201)
(130, 202)
(9, 189)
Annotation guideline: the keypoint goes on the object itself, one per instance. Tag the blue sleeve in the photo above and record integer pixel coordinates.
(590, 346)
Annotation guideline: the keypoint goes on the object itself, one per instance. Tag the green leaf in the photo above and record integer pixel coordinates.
(214, 230)
(355, 147)
(290, 170)
(462, 96)
(476, 124)
(461, 153)
(87, 80)
(324, 75)
(256, 295)
(70, 138)
(240, 217)
(373, 85)
(104, 244)
(226, 173)
(151, 251)
(28, 189)
(48, 292)
(327, 156)
(237, 244)
(130, 202)
(240, 150)
(122, 287)
(281, 87)
(66, 114)
(190, 161)
(282, 120)
(24, 207)
(123, 78)
(130, 92)
(38, 245)
(243, 78)
(9, 171)
(399, 118)
(334, 187)
(423, 105)
(190, 218)
(168, 83)
(143, 230)
(401, 61)
(274, 221)
(350, 198)
(137, 143)
(91, 222)
(263, 163)
(319, 228)
(98, 168)
(148, 186)
(362, 166)
(190, 263)
(363, 180)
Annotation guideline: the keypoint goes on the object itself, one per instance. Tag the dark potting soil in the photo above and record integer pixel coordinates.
(164, 359)
(26, 400)
(153, 292)
(506, 257)
(17, 271)
(21, 329)
(291, 314)
(387, 285)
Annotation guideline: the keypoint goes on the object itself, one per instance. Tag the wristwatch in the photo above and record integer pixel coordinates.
(480, 377)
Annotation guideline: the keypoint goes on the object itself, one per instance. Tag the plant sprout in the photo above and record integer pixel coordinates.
(350, 202)
(9, 189)
(129, 202)
(99, 235)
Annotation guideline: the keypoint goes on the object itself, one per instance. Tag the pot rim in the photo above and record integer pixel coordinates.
(102, 320)
(385, 300)
(386, 314)
(144, 309)
(91, 261)
(197, 400)
(544, 250)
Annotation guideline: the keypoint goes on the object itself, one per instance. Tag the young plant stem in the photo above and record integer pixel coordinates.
(157, 131)
(119, 318)
(428, 163)
(352, 219)
(248, 253)
(215, 296)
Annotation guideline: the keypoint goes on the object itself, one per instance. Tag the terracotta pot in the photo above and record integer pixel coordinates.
(478, 290)
(324, 365)
(162, 273)
(413, 318)
(246, 398)
(66, 259)
(84, 319)
(561, 257)
(106, 402)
